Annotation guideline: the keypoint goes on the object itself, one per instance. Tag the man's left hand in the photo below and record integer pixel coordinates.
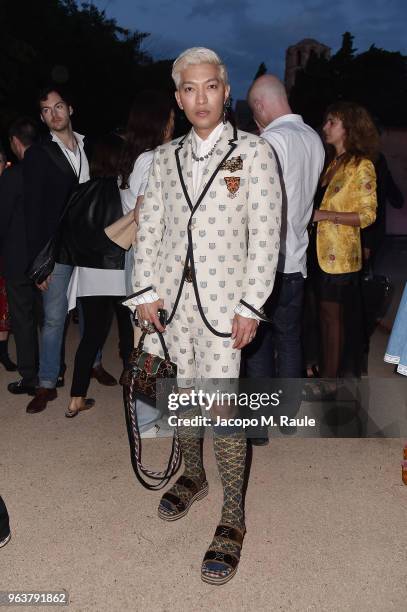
(243, 331)
(45, 284)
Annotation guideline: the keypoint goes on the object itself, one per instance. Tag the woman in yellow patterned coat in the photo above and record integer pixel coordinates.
(347, 197)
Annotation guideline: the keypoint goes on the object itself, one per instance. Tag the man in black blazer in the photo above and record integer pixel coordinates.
(23, 297)
(51, 171)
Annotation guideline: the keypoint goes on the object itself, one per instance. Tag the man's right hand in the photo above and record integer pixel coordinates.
(45, 284)
(149, 313)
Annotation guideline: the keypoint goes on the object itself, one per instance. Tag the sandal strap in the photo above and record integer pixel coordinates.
(191, 488)
(189, 484)
(174, 501)
(221, 557)
(230, 533)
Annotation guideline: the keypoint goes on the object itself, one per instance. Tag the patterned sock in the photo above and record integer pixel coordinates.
(191, 444)
(230, 453)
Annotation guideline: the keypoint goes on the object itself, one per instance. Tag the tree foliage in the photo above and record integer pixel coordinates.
(376, 78)
(58, 41)
(262, 69)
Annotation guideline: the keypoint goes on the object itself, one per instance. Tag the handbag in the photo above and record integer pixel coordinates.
(44, 262)
(145, 371)
(142, 377)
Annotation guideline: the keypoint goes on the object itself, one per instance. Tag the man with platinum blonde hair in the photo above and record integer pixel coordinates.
(195, 56)
(207, 252)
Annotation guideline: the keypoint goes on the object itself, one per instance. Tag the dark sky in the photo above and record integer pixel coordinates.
(247, 32)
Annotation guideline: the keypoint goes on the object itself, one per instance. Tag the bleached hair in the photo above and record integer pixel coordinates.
(197, 55)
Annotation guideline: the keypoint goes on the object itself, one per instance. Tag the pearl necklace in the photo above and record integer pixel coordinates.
(204, 157)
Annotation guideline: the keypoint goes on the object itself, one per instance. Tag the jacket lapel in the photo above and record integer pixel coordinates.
(225, 147)
(184, 167)
(55, 153)
(183, 156)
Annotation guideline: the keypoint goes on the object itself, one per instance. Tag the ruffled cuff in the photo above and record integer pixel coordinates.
(147, 297)
(245, 312)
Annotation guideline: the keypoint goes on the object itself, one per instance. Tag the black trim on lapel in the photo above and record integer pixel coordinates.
(232, 144)
(181, 178)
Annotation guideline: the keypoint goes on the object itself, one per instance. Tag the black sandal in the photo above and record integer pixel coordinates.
(176, 502)
(222, 558)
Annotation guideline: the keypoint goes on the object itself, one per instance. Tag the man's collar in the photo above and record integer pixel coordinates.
(56, 138)
(288, 117)
(212, 138)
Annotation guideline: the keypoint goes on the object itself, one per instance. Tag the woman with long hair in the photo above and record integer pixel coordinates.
(98, 280)
(150, 124)
(347, 197)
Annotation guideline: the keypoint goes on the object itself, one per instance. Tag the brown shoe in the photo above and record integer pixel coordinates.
(39, 402)
(103, 377)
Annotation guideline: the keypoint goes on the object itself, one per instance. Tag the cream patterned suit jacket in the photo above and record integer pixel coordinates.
(228, 235)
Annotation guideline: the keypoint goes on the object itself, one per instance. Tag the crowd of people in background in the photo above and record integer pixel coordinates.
(77, 233)
(62, 189)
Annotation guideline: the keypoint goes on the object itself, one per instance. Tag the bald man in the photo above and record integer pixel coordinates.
(301, 155)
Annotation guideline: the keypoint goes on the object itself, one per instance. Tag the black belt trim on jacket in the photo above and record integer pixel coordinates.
(177, 299)
(198, 299)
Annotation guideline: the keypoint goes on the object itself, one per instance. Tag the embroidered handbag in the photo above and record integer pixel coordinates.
(145, 371)
(144, 376)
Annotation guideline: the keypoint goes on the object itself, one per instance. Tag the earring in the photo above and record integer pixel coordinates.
(226, 108)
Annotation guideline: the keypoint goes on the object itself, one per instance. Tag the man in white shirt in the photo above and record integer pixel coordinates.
(277, 348)
(207, 249)
(51, 171)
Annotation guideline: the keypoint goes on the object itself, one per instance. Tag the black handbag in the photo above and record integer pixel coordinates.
(44, 262)
(143, 377)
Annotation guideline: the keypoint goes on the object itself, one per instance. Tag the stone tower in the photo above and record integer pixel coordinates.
(297, 56)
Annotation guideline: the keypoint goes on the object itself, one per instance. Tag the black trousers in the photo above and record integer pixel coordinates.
(24, 301)
(98, 314)
(4, 520)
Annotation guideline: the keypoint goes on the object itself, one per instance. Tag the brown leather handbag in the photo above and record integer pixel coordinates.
(143, 377)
